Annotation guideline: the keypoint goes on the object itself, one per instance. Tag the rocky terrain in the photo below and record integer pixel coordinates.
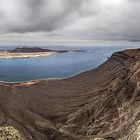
(101, 104)
(9, 133)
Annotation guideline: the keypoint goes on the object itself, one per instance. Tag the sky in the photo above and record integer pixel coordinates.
(70, 21)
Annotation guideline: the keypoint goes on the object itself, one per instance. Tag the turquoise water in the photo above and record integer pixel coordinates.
(56, 66)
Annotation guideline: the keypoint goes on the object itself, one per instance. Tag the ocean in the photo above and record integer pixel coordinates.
(61, 65)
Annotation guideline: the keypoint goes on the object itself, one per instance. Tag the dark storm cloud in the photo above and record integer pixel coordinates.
(37, 15)
(96, 19)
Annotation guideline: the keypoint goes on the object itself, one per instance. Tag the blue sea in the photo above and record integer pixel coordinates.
(61, 65)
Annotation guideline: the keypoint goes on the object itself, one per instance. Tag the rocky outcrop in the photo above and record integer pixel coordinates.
(103, 103)
(9, 133)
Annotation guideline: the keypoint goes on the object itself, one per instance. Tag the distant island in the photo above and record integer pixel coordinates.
(27, 52)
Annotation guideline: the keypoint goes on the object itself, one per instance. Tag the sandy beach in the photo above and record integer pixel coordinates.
(8, 55)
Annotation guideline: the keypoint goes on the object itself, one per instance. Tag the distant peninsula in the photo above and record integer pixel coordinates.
(27, 52)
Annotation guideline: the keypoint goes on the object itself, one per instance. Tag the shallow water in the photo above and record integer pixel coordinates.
(56, 66)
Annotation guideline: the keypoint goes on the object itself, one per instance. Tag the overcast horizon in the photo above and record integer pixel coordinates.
(70, 22)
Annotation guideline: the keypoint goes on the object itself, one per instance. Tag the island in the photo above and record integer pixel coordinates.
(27, 52)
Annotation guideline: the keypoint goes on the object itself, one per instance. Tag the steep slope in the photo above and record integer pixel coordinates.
(103, 103)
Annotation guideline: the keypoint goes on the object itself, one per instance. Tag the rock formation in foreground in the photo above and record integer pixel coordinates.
(102, 103)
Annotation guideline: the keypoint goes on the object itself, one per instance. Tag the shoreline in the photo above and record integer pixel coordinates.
(8, 55)
(46, 79)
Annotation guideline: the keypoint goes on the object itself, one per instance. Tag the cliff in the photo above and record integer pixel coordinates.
(101, 103)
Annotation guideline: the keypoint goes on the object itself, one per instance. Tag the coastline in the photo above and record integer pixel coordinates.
(48, 79)
(8, 55)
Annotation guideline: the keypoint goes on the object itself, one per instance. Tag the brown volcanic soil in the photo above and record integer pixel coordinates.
(104, 102)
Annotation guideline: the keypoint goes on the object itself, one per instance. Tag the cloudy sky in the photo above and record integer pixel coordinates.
(69, 21)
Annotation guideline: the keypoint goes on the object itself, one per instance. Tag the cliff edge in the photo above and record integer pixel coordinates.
(102, 103)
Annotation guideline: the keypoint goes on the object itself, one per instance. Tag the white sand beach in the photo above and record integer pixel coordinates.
(8, 55)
